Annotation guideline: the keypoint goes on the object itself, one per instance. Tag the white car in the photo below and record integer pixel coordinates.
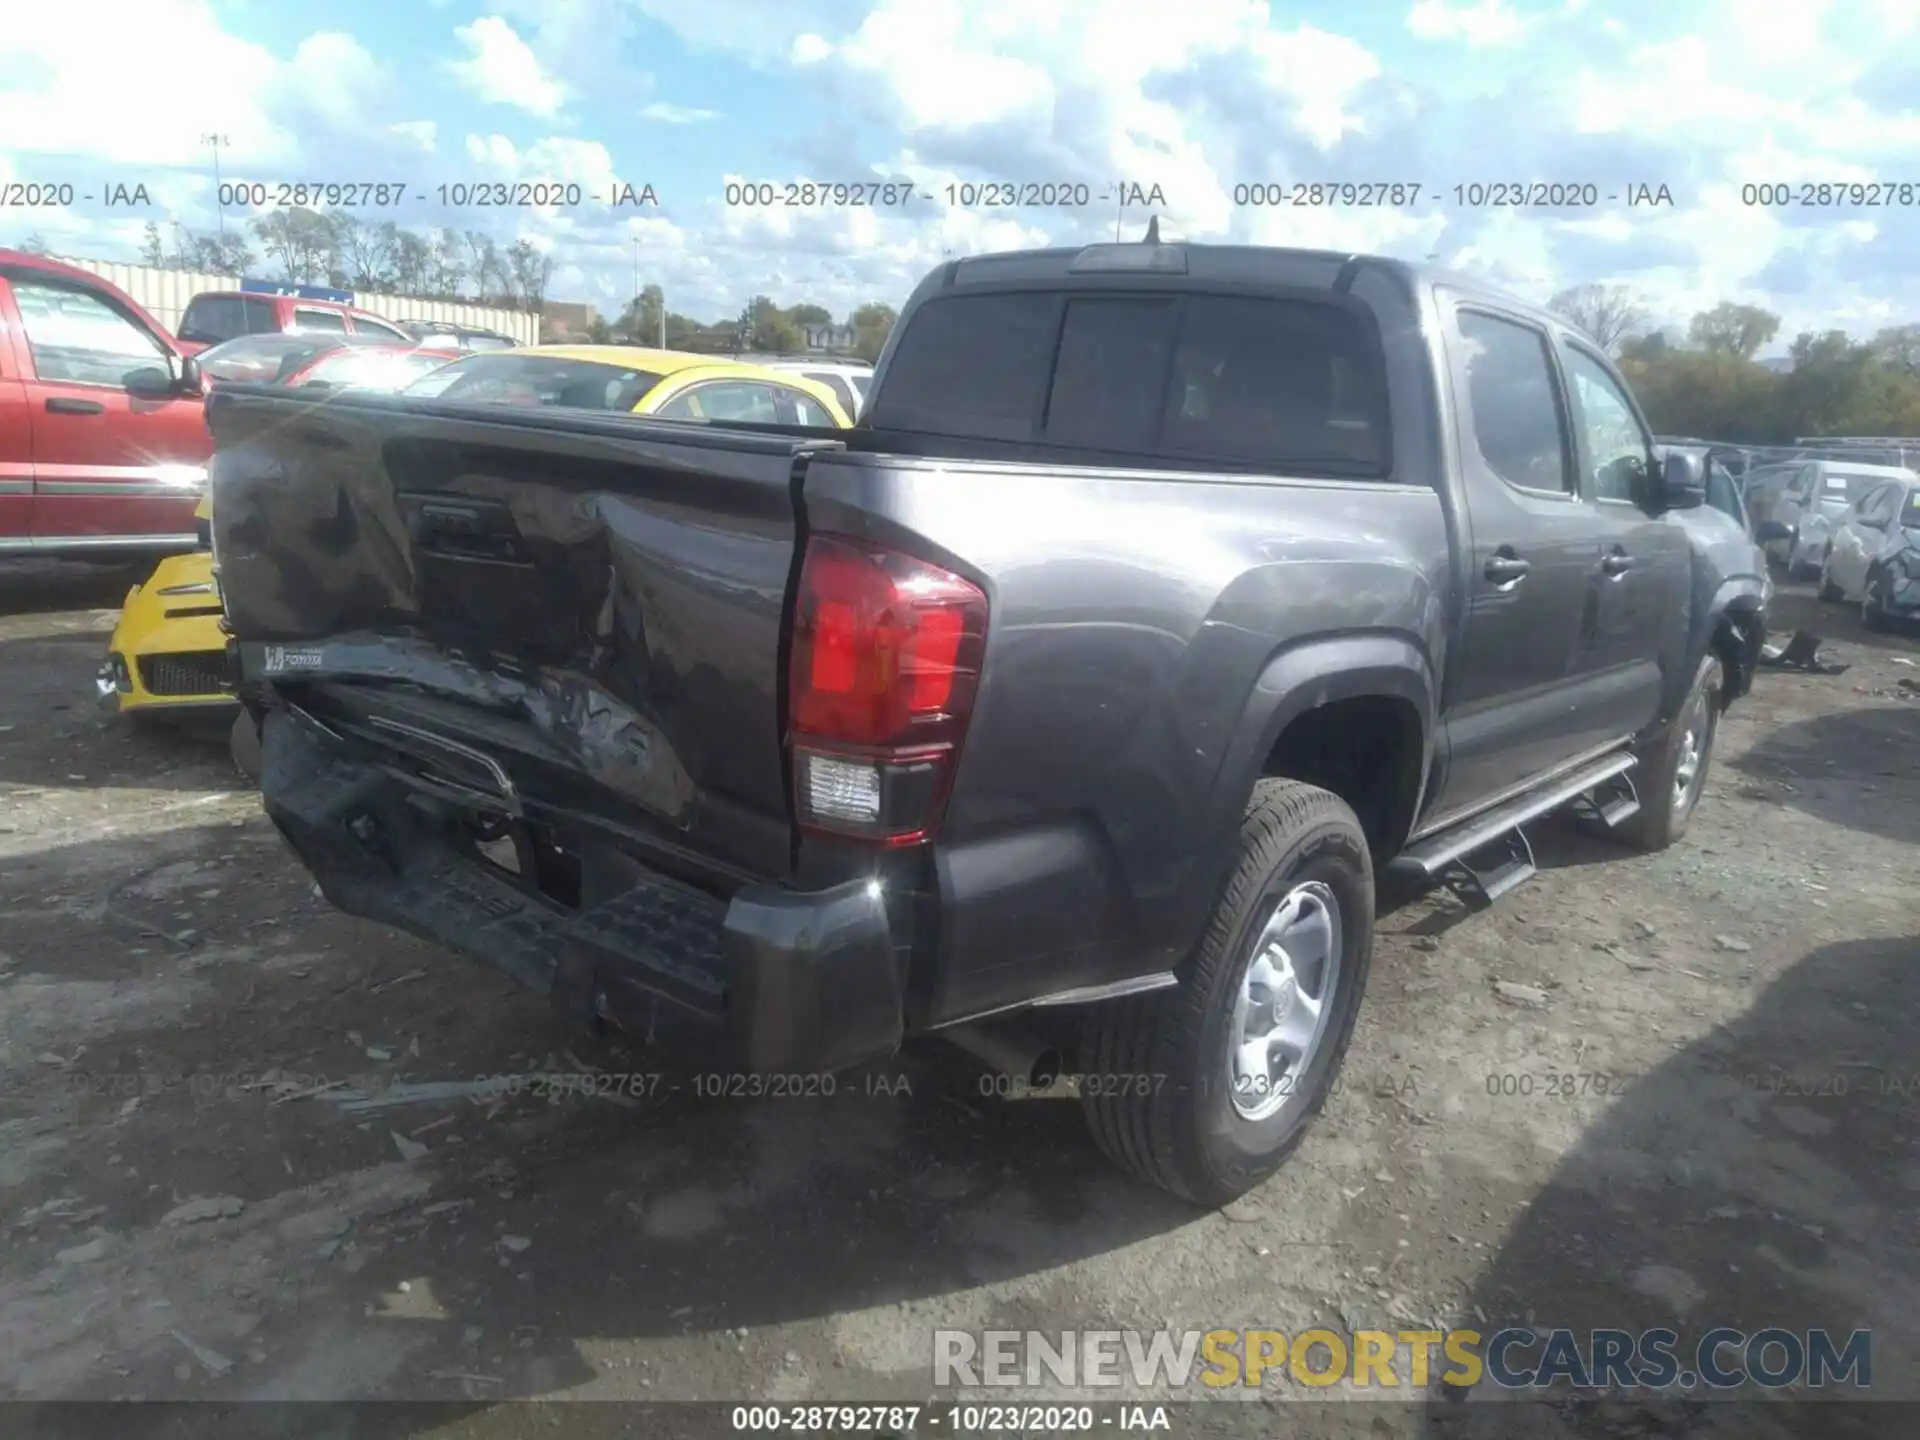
(1873, 555)
(847, 379)
(1801, 520)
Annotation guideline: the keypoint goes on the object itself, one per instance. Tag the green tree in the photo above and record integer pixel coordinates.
(1898, 348)
(1734, 329)
(303, 243)
(599, 332)
(530, 268)
(808, 314)
(767, 328)
(1607, 313)
(640, 321)
(872, 323)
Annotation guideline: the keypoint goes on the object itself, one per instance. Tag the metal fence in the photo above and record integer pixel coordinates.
(164, 294)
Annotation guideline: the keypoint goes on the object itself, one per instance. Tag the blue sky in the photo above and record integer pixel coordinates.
(1700, 96)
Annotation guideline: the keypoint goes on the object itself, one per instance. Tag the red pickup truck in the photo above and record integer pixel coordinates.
(103, 432)
(214, 316)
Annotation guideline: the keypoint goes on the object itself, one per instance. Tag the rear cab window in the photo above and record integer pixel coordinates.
(210, 319)
(1184, 376)
(306, 317)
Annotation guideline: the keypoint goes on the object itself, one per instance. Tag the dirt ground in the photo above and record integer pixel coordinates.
(193, 1206)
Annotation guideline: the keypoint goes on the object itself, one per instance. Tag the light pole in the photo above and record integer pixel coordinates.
(636, 286)
(220, 210)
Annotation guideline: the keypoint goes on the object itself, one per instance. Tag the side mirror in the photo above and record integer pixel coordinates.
(1769, 531)
(150, 382)
(1683, 481)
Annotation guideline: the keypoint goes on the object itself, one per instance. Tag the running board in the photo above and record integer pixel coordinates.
(1482, 876)
(1609, 805)
(1430, 859)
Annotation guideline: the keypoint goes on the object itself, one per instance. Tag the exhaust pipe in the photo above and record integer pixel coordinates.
(1022, 1058)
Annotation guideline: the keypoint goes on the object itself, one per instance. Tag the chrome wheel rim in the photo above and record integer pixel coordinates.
(1693, 756)
(1283, 1009)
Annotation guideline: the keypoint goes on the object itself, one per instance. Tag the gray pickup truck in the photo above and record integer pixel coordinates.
(1166, 599)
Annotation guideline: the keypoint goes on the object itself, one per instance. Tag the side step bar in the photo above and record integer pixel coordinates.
(1491, 848)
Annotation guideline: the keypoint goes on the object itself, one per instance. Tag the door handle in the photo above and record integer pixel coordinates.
(1506, 568)
(1617, 564)
(66, 405)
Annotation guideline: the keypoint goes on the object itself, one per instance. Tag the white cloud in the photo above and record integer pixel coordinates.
(503, 70)
(676, 114)
(1704, 97)
(1479, 23)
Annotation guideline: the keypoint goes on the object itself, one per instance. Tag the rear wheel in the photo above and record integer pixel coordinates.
(1673, 773)
(1206, 1088)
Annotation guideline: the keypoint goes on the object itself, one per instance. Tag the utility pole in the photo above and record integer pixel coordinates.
(214, 142)
(636, 288)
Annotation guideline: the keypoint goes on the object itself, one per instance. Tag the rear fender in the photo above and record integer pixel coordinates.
(1297, 680)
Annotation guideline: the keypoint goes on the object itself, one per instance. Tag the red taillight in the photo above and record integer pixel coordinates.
(886, 658)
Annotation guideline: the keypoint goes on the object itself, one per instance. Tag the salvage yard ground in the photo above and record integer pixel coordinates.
(215, 1180)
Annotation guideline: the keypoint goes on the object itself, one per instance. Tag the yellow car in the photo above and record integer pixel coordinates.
(168, 655)
(670, 384)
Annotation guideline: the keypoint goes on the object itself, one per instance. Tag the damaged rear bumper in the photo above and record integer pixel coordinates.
(771, 980)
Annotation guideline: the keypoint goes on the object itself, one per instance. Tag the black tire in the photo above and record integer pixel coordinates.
(1873, 603)
(1158, 1099)
(1829, 592)
(1664, 813)
(243, 742)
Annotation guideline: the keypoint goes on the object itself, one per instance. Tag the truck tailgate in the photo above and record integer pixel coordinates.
(591, 603)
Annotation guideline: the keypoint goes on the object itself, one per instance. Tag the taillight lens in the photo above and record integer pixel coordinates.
(886, 661)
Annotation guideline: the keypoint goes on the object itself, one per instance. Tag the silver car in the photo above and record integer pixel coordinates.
(1800, 523)
(1873, 556)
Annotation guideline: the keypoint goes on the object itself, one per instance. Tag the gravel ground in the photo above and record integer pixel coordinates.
(194, 1208)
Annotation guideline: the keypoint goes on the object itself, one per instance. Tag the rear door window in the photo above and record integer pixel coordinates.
(1517, 426)
(800, 408)
(748, 401)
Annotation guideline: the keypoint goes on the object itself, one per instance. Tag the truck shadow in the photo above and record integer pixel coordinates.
(660, 1206)
(1835, 767)
(1761, 1177)
(39, 586)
